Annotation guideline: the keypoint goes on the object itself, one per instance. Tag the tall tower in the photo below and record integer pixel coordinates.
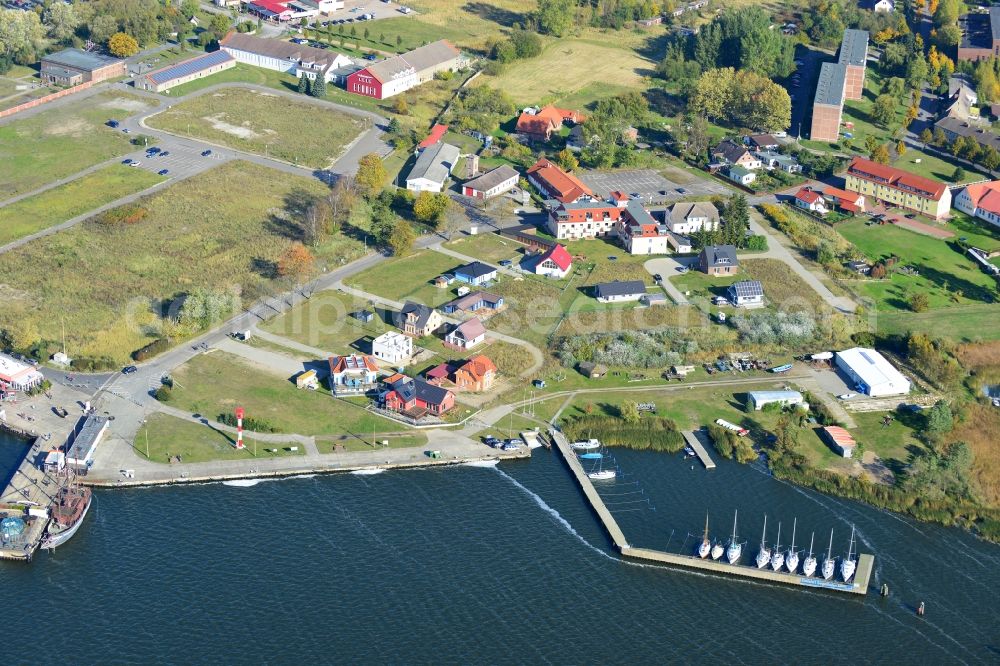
(239, 427)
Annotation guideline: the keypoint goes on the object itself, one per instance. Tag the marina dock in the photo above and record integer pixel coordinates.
(693, 438)
(858, 585)
(29, 495)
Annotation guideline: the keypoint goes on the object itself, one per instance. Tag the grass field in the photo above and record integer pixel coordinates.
(960, 323)
(783, 288)
(410, 277)
(218, 382)
(490, 248)
(65, 202)
(193, 442)
(109, 282)
(262, 123)
(945, 274)
(567, 66)
(61, 141)
(323, 321)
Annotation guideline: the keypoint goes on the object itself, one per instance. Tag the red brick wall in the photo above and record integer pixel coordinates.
(111, 71)
(825, 123)
(854, 83)
(43, 100)
(973, 53)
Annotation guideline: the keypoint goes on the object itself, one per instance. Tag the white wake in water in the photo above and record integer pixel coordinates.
(368, 471)
(482, 463)
(241, 483)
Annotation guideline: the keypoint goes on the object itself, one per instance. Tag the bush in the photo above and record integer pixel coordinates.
(155, 347)
(253, 425)
(129, 214)
(164, 393)
(85, 364)
(652, 433)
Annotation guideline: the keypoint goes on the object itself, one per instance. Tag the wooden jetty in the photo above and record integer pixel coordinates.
(28, 496)
(693, 438)
(858, 585)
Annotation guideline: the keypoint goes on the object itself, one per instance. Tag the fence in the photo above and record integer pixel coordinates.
(45, 100)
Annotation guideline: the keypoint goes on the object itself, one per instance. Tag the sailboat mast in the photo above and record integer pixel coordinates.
(764, 533)
(829, 551)
(735, 514)
(794, 523)
(706, 526)
(812, 537)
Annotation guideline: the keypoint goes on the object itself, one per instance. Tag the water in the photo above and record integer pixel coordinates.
(485, 565)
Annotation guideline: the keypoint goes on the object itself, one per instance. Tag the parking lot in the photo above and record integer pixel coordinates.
(180, 161)
(354, 10)
(650, 185)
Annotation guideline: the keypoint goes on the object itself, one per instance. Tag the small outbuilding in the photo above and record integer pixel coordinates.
(757, 400)
(592, 370)
(840, 440)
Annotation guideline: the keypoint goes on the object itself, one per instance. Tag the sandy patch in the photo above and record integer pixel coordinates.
(125, 104)
(219, 124)
(74, 126)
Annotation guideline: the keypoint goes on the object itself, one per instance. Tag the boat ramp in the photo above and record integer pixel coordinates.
(858, 585)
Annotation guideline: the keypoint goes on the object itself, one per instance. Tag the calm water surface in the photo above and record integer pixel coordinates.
(481, 565)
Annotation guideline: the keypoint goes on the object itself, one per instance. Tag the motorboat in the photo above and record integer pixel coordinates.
(809, 564)
(735, 548)
(782, 368)
(791, 557)
(588, 445)
(778, 558)
(828, 564)
(602, 475)
(764, 554)
(705, 547)
(591, 456)
(847, 565)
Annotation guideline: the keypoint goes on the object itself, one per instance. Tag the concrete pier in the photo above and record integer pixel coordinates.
(28, 496)
(693, 439)
(858, 585)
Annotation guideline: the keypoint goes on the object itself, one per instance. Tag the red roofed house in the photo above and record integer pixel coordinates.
(353, 374)
(849, 202)
(555, 262)
(583, 219)
(436, 134)
(17, 376)
(811, 200)
(896, 187)
(981, 200)
(841, 440)
(271, 9)
(538, 125)
(555, 183)
(476, 374)
(416, 397)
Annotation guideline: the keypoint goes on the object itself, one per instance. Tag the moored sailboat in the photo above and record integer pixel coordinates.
(847, 565)
(588, 445)
(809, 564)
(778, 558)
(735, 548)
(705, 547)
(764, 554)
(828, 564)
(791, 557)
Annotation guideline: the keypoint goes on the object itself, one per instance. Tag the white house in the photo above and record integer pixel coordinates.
(980, 200)
(393, 347)
(811, 200)
(618, 291)
(466, 335)
(871, 372)
(747, 294)
(887, 6)
(689, 217)
(760, 399)
(741, 175)
(555, 262)
(282, 56)
(432, 168)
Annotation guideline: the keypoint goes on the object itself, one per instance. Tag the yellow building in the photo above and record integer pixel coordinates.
(895, 187)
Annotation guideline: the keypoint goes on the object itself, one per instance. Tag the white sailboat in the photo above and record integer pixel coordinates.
(705, 547)
(588, 445)
(847, 565)
(828, 564)
(791, 557)
(809, 564)
(778, 558)
(764, 554)
(735, 548)
(717, 550)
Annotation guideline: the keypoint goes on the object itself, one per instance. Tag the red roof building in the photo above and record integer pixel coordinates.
(555, 262)
(540, 125)
(896, 187)
(852, 202)
(555, 183)
(436, 134)
(841, 440)
(981, 200)
(476, 374)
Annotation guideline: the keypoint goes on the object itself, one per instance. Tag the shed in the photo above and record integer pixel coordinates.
(757, 400)
(364, 316)
(307, 379)
(840, 440)
(592, 370)
(654, 299)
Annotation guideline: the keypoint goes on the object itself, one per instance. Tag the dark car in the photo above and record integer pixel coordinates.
(152, 150)
(164, 153)
(505, 262)
(206, 153)
(370, 56)
(129, 369)
(163, 172)
(112, 124)
(658, 277)
(127, 162)
(910, 216)
(490, 440)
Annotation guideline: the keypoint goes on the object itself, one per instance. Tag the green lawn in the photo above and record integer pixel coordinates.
(410, 277)
(264, 123)
(61, 141)
(111, 282)
(945, 274)
(211, 384)
(487, 247)
(413, 31)
(193, 442)
(323, 321)
(960, 323)
(976, 232)
(65, 202)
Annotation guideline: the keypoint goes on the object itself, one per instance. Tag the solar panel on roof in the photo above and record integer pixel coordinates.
(190, 66)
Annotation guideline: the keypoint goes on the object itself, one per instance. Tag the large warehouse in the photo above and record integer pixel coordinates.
(871, 373)
(71, 67)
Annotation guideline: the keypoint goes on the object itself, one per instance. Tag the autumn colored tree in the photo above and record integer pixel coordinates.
(122, 45)
(429, 207)
(401, 238)
(900, 148)
(881, 154)
(566, 159)
(296, 262)
(371, 174)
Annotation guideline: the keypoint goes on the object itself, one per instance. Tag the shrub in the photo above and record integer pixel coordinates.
(85, 364)
(155, 347)
(649, 433)
(163, 394)
(129, 214)
(253, 425)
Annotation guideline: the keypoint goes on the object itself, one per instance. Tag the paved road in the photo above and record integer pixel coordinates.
(667, 267)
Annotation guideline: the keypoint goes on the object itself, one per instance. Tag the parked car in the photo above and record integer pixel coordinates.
(164, 153)
(206, 153)
(682, 269)
(505, 262)
(134, 163)
(152, 150)
(129, 369)
(113, 124)
(847, 396)
(681, 190)
(657, 277)
(910, 216)
(127, 162)
(126, 130)
(490, 440)
(163, 172)
(371, 56)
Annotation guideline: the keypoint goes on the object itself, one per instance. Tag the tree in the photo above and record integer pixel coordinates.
(742, 98)
(918, 302)
(629, 412)
(399, 40)
(367, 33)
(303, 84)
(990, 158)
(400, 107)
(429, 207)
(381, 37)
(939, 419)
(122, 45)
(371, 174)
(926, 136)
(566, 159)
(296, 262)
(401, 238)
(958, 175)
(394, 127)
(342, 198)
(318, 88)
(884, 110)
(62, 20)
(220, 25)
(900, 148)
(881, 154)
(526, 44)
(737, 216)
(20, 31)
(554, 17)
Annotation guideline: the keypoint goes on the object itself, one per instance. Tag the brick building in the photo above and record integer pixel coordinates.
(71, 67)
(980, 35)
(839, 81)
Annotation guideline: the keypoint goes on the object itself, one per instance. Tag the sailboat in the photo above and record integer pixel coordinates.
(847, 564)
(735, 548)
(778, 558)
(587, 445)
(791, 557)
(717, 550)
(591, 456)
(705, 547)
(828, 565)
(809, 565)
(600, 474)
(764, 555)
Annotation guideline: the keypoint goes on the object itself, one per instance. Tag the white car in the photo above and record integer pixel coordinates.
(847, 396)
(134, 163)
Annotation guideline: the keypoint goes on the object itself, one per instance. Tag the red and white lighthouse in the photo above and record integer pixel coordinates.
(239, 427)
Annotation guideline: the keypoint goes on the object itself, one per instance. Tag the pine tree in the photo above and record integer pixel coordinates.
(303, 84)
(319, 86)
